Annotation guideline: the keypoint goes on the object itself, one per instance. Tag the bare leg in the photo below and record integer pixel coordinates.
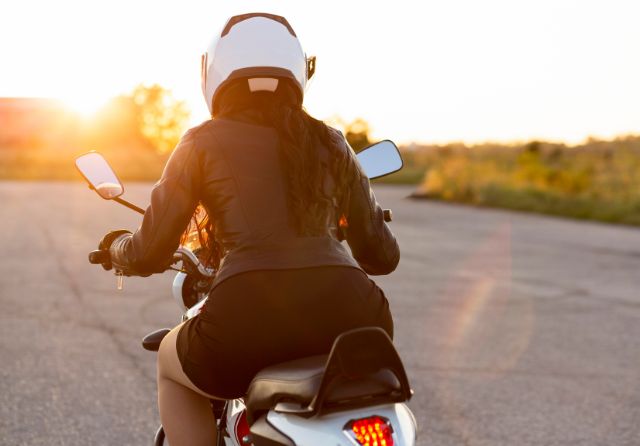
(185, 411)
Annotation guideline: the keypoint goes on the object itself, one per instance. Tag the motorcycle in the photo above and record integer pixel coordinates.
(355, 395)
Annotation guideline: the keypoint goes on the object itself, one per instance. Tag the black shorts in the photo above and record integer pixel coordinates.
(261, 318)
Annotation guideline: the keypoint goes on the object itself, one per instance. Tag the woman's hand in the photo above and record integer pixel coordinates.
(102, 256)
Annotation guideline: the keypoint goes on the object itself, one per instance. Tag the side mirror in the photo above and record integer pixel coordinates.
(100, 176)
(380, 159)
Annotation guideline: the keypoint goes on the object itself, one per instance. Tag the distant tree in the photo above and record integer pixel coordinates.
(161, 119)
(357, 134)
(148, 116)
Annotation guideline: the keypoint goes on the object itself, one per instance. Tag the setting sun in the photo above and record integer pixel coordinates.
(85, 106)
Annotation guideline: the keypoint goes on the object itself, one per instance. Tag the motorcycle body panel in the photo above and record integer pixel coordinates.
(236, 423)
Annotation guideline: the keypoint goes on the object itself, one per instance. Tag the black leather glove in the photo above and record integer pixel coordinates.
(102, 255)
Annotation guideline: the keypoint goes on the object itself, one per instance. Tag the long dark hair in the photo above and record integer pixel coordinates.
(301, 138)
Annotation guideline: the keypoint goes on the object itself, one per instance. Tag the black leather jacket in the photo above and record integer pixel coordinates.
(233, 169)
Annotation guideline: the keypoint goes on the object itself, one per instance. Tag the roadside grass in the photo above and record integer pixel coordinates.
(598, 180)
(408, 175)
(130, 163)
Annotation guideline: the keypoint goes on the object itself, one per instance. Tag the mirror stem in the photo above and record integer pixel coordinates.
(129, 205)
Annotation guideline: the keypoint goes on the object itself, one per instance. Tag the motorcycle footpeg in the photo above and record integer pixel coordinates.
(152, 341)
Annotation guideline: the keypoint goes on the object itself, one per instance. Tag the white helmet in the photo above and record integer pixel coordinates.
(260, 47)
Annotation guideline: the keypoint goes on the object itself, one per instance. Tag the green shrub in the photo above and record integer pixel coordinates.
(598, 180)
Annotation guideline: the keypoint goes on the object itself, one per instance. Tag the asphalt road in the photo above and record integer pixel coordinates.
(515, 329)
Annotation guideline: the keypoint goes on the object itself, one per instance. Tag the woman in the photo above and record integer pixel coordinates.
(275, 184)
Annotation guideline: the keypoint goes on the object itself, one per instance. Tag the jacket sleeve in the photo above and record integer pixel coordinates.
(372, 243)
(173, 201)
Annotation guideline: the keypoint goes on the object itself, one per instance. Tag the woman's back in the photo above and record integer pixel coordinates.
(245, 193)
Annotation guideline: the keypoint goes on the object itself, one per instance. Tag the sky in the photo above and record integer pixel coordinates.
(423, 71)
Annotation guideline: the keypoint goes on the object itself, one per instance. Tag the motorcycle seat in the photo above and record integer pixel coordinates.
(292, 386)
(295, 381)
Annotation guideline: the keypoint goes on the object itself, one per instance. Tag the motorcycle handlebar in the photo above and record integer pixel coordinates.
(186, 256)
(101, 256)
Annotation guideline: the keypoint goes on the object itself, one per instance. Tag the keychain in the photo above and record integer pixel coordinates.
(119, 280)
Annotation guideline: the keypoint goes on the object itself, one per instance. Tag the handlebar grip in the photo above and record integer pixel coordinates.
(388, 215)
(99, 256)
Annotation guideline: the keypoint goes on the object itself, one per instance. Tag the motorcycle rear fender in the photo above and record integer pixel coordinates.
(329, 429)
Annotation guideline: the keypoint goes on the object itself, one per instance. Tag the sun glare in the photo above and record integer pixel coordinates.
(85, 106)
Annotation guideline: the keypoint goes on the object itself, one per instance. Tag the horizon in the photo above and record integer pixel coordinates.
(88, 116)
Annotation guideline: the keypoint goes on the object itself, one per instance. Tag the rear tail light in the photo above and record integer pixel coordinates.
(370, 431)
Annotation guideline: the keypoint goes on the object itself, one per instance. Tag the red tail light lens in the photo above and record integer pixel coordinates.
(371, 431)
